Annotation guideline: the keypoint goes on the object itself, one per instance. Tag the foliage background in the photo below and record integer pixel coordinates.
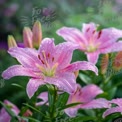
(14, 15)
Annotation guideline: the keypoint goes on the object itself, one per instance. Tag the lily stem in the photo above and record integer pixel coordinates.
(52, 109)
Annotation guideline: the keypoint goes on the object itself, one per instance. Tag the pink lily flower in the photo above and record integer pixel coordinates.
(4, 116)
(44, 97)
(93, 42)
(49, 65)
(86, 96)
(115, 109)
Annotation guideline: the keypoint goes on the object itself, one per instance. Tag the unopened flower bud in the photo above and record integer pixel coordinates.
(11, 42)
(104, 63)
(117, 62)
(27, 37)
(37, 34)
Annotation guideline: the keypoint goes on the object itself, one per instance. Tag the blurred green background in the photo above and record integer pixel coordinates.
(53, 14)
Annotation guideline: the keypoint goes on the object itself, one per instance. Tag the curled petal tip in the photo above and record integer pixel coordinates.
(4, 75)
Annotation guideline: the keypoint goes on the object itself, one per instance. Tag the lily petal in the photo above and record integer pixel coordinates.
(47, 50)
(109, 36)
(44, 97)
(116, 47)
(81, 65)
(73, 35)
(89, 92)
(18, 70)
(33, 86)
(89, 29)
(13, 107)
(63, 54)
(93, 57)
(65, 82)
(117, 101)
(97, 103)
(27, 57)
(72, 112)
(111, 111)
(4, 116)
(47, 45)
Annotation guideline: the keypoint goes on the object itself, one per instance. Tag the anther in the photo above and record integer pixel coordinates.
(52, 59)
(48, 55)
(39, 57)
(99, 34)
(87, 29)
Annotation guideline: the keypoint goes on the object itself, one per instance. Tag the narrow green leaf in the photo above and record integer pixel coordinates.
(70, 105)
(13, 119)
(29, 118)
(86, 79)
(62, 100)
(81, 119)
(34, 109)
(14, 84)
(111, 92)
(50, 99)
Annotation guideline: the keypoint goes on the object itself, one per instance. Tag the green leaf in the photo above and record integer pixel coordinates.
(34, 109)
(50, 99)
(70, 105)
(29, 118)
(14, 84)
(82, 119)
(111, 92)
(13, 119)
(85, 78)
(62, 100)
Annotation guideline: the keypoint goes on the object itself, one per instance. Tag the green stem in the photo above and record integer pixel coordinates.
(107, 80)
(52, 108)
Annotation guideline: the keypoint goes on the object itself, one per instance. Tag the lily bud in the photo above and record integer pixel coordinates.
(27, 37)
(27, 113)
(11, 42)
(117, 62)
(37, 34)
(104, 63)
